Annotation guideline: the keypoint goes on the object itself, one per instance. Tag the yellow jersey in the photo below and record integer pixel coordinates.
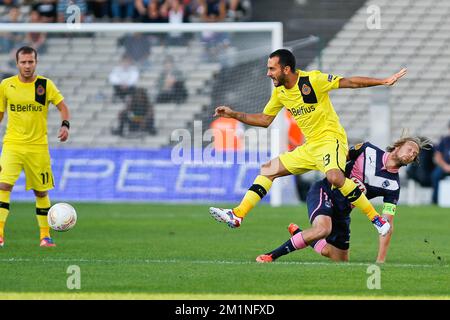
(308, 102)
(27, 105)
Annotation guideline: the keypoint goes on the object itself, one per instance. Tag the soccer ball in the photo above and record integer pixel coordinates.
(62, 217)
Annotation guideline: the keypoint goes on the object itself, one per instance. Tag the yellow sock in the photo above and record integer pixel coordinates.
(257, 191)
(4, 210)
(351, 191)
(42, 207)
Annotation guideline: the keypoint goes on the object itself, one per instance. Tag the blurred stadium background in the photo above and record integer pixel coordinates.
(129, 91)
(139, 81)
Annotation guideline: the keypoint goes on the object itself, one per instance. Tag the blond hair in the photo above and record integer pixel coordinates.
(422, 142)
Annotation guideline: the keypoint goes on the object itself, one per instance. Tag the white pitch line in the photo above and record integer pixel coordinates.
(231, 262)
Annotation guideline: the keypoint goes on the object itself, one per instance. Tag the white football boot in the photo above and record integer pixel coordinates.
(225, 215)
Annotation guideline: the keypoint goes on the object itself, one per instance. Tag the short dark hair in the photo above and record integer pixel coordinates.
(25, 50)
(286, 58)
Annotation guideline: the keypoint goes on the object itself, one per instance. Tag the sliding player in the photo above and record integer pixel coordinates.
(376, 174)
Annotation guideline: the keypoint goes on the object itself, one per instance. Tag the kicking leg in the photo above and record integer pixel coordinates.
(351, 191)
(261, 186)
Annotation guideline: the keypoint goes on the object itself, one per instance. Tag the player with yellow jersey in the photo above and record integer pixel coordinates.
(26, 97)
(305, 95)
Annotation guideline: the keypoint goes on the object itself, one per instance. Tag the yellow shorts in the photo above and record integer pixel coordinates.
(322, 156)
(37, 167)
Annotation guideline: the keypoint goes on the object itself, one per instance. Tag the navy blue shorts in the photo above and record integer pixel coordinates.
(321, 200)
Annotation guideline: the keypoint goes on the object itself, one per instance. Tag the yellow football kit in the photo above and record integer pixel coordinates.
(308, 102)
(25, 144)
(326, 144)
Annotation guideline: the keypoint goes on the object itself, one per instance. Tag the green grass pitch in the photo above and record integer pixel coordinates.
(150, 251)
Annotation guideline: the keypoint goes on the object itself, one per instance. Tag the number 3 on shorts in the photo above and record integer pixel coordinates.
(326, 160)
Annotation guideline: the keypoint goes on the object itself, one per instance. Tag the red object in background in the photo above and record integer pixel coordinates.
(295, 134)
(228, 133)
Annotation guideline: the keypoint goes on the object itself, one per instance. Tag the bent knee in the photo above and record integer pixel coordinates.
(321, 232)
(336, 178)
(5, 186)
(40, 194)
(269, 170)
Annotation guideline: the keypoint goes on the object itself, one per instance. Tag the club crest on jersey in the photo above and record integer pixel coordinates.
(40, 91)
(306, 89)
(386, 184)
(358, 146)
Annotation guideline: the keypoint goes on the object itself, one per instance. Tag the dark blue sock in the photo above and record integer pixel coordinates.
(312, 244)
(282, 250)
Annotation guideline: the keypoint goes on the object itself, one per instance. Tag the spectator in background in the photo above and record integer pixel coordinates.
(63, 14)
(9, 3)
(157, 12)
(36, 40)
(213, 10)
(137, 47)
(142, 9)
(124, 78)
(216, 42)
(178, 13)
(138, 115)
(47, 10)
(98, 8)
(171, 87)
(12, 16)
(151, 10)
(442, 159)
(122, 10)
(237, 9)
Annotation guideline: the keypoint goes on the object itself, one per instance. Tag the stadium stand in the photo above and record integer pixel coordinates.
(80, 68)
(414, 34)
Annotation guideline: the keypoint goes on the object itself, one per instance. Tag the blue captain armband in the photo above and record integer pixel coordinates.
(389, 208)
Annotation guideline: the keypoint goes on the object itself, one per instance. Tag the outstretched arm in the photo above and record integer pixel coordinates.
(252, 119)
(364, 82)
(383, 242)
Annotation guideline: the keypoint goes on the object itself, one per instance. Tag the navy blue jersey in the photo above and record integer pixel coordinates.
(366, 167)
